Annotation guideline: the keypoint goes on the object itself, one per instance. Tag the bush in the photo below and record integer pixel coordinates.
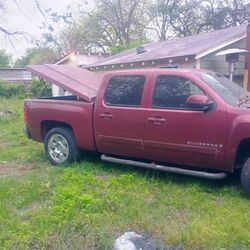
(8, 90)
(40, 88)
(36, 89)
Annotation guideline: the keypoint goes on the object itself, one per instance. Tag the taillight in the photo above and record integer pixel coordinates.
(25, 114)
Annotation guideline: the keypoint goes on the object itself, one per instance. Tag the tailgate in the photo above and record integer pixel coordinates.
(76, 80)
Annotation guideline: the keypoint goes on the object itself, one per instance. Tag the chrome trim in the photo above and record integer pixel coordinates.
(207, 175)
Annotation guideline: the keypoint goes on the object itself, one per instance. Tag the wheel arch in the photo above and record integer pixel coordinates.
(242, 153)
(47, 125)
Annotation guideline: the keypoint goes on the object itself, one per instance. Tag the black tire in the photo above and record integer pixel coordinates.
(245, 177)
(60, 146)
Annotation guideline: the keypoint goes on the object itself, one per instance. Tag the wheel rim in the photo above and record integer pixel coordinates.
(58, 148)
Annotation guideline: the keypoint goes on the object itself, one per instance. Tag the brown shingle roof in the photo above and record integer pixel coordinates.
(191, 45)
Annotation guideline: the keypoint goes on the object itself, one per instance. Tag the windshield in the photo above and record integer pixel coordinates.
(230, 91)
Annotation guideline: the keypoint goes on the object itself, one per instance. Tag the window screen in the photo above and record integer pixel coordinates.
(125, 90)
(173, 91)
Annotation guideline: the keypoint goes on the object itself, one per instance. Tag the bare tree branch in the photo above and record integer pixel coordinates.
(39, 8)
(14, 33)
(10, 34)
(20, 9)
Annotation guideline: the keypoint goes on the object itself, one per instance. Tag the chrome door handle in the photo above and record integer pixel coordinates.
(156, 120)
(106, 116)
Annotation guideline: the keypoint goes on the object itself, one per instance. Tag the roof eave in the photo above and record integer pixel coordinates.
(211, 50)
(64, 58)
(136, 62)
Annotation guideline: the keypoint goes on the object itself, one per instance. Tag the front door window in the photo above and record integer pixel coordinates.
(173, 91)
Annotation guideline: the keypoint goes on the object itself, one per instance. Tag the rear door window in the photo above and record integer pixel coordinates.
(125, 90)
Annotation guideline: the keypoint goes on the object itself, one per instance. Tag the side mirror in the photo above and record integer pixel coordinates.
(200, 102)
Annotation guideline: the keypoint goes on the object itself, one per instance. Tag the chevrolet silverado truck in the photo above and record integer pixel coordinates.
(184, 121)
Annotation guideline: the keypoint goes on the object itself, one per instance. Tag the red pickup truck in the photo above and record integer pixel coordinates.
(183, 121)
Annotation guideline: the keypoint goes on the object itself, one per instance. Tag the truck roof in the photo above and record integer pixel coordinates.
(168, 70)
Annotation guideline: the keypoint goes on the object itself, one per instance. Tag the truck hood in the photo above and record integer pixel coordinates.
(76, 80)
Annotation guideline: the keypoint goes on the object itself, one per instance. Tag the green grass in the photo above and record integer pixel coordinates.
(87, 205)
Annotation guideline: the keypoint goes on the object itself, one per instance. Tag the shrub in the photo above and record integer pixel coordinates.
(40, 88)
(36, 89)
(8, 90)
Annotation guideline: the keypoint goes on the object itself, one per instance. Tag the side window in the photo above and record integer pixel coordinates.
(173, 91)
(125, 91)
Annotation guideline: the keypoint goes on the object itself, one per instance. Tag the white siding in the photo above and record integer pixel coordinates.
(188, 65)
(15, 75)
(219, 64)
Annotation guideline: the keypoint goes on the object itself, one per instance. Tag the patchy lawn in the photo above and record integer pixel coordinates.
(88, 205)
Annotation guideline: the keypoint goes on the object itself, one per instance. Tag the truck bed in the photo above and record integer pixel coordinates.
(43, 113)
(65, 98)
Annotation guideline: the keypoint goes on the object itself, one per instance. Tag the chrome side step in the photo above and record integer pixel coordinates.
(176, 170)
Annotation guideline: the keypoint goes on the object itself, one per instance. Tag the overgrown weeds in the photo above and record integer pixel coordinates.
(89, 204)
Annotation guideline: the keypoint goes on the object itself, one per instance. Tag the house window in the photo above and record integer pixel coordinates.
(173, 91)
(125, 90)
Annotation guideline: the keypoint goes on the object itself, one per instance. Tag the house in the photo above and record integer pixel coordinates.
(82, 59)
(196, 51)
(15, 75)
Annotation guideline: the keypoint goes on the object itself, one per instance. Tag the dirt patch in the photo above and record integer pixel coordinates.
(102, 177)
(7, 113)
(32, 207)
(16, 168)
(4, 144)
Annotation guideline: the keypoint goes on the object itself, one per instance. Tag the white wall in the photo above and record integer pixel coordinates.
(219, 64)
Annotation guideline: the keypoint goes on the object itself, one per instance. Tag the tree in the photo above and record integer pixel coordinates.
(50, 37)
(85, 34)
(36, 56)
(114, 26)
(5, 59)
(159, 15)
(25, 59)
(10, 33)
(44, 55)
(124, 19)
(188, 17)
(228, 13)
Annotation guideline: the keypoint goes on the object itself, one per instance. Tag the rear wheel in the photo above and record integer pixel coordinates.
(60, 146)
(245, 177)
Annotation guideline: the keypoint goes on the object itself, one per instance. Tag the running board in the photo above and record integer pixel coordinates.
(176, 170)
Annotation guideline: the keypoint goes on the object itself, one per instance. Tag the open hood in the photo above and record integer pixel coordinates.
(76, 80)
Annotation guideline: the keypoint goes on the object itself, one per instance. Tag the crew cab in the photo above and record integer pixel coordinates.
(184, 121)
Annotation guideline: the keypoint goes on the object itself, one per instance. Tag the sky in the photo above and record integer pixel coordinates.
(23, 15)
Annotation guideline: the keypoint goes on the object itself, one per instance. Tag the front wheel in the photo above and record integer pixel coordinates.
(245, 177)
(60, 146)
